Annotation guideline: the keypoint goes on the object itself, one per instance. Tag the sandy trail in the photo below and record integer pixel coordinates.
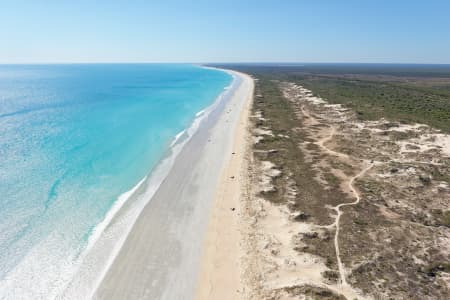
(368, 165)
(337, 208)
(359, 155)
(338, 217)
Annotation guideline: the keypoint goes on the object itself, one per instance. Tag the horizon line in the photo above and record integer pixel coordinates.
(225, 63)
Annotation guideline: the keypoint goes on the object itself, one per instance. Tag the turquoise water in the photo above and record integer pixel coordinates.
(73, 138)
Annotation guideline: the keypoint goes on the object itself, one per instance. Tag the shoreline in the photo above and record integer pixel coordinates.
(112, 232)
(164, 220)
(220, 274)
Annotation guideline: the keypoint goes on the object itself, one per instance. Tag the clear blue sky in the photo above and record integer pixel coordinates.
(225, 31)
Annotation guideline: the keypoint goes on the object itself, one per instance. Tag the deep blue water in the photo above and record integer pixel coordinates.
(75, 137)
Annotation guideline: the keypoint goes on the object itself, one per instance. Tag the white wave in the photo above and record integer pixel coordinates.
(177, 137)
(200, 113)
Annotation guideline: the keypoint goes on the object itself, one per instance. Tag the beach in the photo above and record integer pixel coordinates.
(220, 271)
(170, 251)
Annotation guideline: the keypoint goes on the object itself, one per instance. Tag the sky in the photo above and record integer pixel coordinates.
(377, 31)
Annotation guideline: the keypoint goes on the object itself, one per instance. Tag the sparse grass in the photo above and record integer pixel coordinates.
(381, 236)
(435, 268)
(411, 94)
(313, 292)
(442, 217)
(372, 100)
(332, 276)
(312, 197)
(439, 175)
(280, 118)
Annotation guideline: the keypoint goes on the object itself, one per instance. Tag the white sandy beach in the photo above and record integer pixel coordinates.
(221, 272)
(171, 251)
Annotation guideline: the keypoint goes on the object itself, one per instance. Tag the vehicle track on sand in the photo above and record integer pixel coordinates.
(368, 165)
(338, 217)
(337, 208)
(328, 127)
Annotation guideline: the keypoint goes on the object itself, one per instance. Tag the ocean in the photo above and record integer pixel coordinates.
(74, 140)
